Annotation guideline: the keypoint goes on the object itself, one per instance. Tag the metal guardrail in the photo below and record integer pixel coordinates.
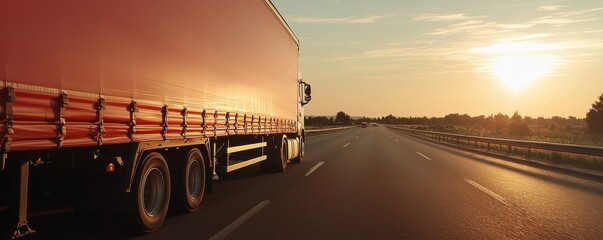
(327, 129)
(557, 147)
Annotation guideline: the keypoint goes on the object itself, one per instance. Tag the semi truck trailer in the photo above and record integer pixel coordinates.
(152, 99)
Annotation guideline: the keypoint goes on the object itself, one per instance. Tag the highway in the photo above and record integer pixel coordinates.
(375, 183)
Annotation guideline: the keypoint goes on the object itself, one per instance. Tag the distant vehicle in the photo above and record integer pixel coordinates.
(150, 96)
(364, 124)
(374, 125)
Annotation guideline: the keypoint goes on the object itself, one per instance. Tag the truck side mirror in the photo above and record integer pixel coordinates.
(307, 93)
(308, 90)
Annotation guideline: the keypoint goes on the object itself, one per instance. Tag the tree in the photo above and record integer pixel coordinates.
(517, 126)
(500, 122)
(594, 117)
(342, 118)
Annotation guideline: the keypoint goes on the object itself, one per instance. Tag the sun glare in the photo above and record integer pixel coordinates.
(518, 72)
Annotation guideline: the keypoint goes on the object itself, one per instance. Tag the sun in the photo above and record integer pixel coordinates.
(518, 72)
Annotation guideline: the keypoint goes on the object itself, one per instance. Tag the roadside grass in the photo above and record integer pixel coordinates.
(567, 136)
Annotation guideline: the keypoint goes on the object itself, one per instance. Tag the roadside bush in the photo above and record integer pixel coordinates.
(519, 129)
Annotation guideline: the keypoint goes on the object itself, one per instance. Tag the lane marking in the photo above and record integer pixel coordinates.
(242, 219)
(422, 155)
(314, 168)
(396, 140)
(389, 136)
(346, 144)
(356, 137)
(488, 191)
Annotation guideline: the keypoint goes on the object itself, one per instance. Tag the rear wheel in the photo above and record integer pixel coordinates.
(152, 192)
(191, 185)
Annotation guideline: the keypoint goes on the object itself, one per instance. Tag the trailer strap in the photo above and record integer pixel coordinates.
(133, 110)
(8, 120)
(100, 131)
(62, 124)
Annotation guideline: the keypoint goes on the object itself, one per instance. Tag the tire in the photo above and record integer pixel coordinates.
(152, 190)
(191, 182)
(277, 156)
(302, 149)
(280, 155)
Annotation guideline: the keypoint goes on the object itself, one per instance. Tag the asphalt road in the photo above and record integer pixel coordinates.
(374, 183)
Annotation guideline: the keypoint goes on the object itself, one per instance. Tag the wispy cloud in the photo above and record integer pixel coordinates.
(549, 8)
(526, 37)
(443, 17)
(518, 47)
(368, 19)
(565, 18)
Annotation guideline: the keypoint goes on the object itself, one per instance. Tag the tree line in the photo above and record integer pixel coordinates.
(514, 124)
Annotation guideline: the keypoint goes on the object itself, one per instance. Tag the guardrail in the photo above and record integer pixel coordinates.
(509, 143)
(319, 131)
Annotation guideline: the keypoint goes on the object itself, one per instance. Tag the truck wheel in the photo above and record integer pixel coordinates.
(277, 156)
(302, 149)
(152, 192)
(191, 185)
(280, 155)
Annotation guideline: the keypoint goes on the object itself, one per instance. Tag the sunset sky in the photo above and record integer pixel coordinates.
(431, 58)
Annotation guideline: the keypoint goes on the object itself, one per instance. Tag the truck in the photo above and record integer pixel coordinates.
(151, 99)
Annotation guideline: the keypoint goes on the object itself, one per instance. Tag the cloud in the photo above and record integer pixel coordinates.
(526, 37)
(443, 18)
(549, 8)
(368, 19)
(565, 18)
(518, 47)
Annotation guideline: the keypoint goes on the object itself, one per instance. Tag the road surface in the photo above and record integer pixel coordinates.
(374, 183)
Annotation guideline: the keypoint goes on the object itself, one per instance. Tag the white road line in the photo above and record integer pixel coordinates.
(346, 144)
(242, 219)
(389, 136)
(356, 137)
(314, 168)
(488, 191)
(396, 140)
(422, 155)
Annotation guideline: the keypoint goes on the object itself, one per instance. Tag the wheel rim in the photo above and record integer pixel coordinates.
(284, 153)
(154, 192)
(303, 148)
(194, 179)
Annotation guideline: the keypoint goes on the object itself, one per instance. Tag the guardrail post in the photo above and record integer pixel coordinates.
(509, 149)
(488, 147)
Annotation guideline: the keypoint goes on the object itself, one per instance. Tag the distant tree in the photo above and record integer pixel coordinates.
(318, 121)
(389, 119)
(500, 122)
(517, 126)
(594, 117)
(341, 118)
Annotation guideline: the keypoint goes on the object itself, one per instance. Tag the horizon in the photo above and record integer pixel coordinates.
(433, 58)
(441, 116)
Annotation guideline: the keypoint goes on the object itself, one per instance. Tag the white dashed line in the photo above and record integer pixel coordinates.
(314, 168)
(356, 137)
(488, 191)
(422, 155)
(242, 219)
(396, 140)
(346, 144)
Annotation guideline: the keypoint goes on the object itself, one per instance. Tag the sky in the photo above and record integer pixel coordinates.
(431, 58)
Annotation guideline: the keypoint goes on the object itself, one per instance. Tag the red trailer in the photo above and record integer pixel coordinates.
(163, 95)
